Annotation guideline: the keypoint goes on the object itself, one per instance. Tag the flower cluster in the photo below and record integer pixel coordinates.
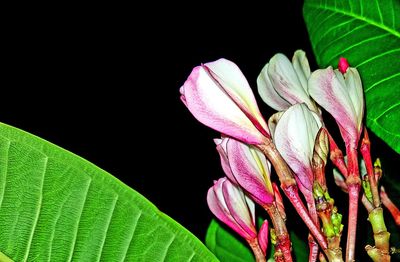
(294, 141)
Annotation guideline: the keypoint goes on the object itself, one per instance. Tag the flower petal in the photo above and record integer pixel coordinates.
(237, 205)
(229, 77)
(218, 95)
(328, 89)
(251, 170)
(218, 207)
(273, 121)
(301, 66)
(354, 87)
(268, 93)
(294, 138)
(263, 237)
(286, 82)
(221, 148)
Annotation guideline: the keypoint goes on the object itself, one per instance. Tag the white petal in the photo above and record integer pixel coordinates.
(301, 66)
(273, 121)
(355, 90)
(229, 75)
(268, 93)
(327, 87)
(294, 137)
(286, 82)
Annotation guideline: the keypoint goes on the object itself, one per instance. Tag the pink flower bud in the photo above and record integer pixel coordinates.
(250, 169)
(230, 205)
(219, 96)
(343, 65)
(282, 83)
(342, 96)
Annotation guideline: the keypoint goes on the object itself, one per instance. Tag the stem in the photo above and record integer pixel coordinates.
(381, 236)
(313, 255)
(394, 211)
(353, 184)
(354, 191)
(293, 195)
(313, 245)
(368, 206)
(258, 254)
(366, 154)
(336, 156)
(288, 185)
(282, 237)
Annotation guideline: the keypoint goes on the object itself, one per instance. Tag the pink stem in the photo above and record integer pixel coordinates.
(282, 236)
(353, 184)
(255, 247)
(292, 193)
(336, 156)
(313, 255)
(354, 191)
(289, 187)
(366, 154)
(394, 211)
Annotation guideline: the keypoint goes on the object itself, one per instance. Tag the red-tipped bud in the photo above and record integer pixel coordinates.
(343, 65)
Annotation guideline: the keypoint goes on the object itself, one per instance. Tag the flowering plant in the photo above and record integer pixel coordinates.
(296, 143)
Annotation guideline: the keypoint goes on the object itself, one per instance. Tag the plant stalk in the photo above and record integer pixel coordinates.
(387, 202)
(366, 154)
(255, 247)
(380, 252)
(353, 182)
(282, 237)
(289, 187)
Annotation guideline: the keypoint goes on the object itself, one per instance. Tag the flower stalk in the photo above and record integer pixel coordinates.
(393, 209)
(289, 187)
(257, 251)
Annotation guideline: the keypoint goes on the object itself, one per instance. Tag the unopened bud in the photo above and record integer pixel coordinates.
(343, 65)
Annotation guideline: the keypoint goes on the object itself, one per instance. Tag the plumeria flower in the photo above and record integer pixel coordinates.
(230, 205)
(294, 136)
(219, 96)
(247, 166)
(342, 96)
(282, 83)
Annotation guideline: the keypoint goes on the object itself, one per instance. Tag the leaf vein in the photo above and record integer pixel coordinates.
(39, 208)
(378, 56)
(4, 183)
(387, 110)
(381, 81)
(359, 43)
(360, 17)
(114, 203)
(78, 221)
(133, 234)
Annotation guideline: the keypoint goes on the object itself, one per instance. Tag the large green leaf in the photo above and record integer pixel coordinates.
(367, 32)
(226, 245)
(55, 206)
(229, 247)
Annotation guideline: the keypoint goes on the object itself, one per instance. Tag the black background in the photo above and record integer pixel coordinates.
(103, 82)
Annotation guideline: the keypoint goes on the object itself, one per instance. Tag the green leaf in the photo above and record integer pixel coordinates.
(300, 248)
(55, 206)
(225, 244)
(228, 246)
(367, 33)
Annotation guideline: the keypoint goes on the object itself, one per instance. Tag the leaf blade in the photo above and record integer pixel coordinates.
(55, 206)
(368, 34)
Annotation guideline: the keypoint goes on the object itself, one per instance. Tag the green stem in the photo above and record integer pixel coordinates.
(381, 236)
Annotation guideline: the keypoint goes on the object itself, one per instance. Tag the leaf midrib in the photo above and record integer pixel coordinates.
(359, 17)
